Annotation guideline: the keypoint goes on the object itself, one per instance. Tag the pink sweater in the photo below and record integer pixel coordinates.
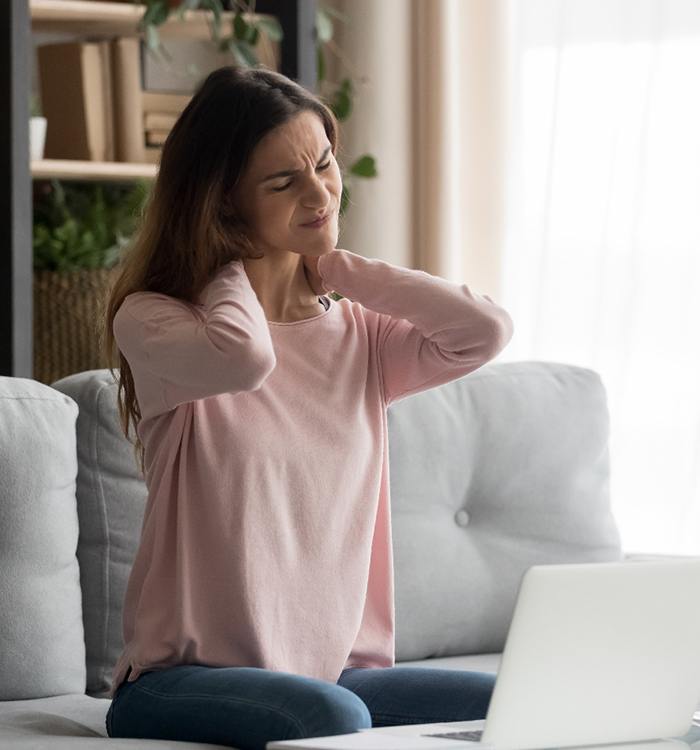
(266, 538)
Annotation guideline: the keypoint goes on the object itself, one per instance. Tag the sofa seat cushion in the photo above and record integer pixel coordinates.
(57, 722)
(69, 722)
(471, 663)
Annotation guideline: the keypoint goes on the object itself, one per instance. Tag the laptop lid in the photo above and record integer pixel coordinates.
(599, 653)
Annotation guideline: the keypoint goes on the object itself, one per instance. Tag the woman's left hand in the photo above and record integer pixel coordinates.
(312, 274)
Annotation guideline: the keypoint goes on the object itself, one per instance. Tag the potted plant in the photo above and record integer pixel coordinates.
(241, 41)
(79, 232)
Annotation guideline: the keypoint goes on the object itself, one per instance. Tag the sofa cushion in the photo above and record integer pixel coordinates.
(111, 497)
(43, 652)
(502, 469)
(71, 722)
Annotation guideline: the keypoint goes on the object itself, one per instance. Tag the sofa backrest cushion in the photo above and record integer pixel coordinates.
(505, 468)
(42, 651)
(111, 497)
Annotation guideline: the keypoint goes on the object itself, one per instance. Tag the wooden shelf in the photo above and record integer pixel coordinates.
(93, 20)
(98, 19)
(73, 169)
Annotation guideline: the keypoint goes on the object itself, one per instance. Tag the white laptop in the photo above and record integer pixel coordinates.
(596, 654)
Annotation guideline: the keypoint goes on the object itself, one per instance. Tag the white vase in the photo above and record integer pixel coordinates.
(37, 137)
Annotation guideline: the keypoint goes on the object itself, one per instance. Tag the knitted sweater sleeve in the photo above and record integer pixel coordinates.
(431, 330)
(196, 351)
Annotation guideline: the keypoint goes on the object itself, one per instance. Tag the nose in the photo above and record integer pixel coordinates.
(316, 193)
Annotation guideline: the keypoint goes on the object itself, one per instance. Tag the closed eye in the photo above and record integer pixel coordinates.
(284, 187)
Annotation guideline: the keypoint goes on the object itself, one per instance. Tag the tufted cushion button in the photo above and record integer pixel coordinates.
(462, 517)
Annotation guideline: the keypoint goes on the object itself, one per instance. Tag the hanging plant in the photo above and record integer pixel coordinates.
(241, 43)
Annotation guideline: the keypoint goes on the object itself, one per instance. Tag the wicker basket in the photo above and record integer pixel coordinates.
(68, 318)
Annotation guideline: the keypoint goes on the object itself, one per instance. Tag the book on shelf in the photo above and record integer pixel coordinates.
(96, 108)
(110, 101)
(128, 109)
(76, 99)
(135, 106)
(158, 120)
(157, 101)
(151, 154)
(156, 137)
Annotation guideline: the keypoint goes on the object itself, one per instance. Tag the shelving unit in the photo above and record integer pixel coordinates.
(98, 19)
(103, 20)
(74, 169)
(19, 19)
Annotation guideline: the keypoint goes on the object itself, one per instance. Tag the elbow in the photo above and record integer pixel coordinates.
(500, 332)
(264, 362)
(247, 360)
(507, 329)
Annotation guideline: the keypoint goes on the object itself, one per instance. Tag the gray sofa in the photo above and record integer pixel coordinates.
(490, 474)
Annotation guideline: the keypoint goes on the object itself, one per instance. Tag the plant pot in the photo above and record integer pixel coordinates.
(37, 137)
(68, 321)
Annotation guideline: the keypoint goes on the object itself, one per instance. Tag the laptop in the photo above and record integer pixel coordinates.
(597, 653)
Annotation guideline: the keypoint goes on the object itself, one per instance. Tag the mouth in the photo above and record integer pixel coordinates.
(318, 222)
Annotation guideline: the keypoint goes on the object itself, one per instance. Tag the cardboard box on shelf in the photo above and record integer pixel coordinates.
(75, 81)
(152, 154)
(156, 137)
(155, 101)
(158, 120)
(128, 106)
(193, 60)
(113, 101)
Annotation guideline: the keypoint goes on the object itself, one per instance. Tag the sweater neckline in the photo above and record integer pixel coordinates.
(306, 320)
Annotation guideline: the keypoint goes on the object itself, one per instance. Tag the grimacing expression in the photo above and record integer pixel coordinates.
(276, 205)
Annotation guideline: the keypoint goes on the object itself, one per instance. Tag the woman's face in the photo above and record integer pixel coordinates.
(276, 206)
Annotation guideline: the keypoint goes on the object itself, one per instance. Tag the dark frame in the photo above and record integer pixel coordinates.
(16, 274)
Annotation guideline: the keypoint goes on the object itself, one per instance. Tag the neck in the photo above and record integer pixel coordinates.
(280, 283)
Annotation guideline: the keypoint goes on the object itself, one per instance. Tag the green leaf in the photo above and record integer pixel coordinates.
(243, 52)
(186, 5)
(344, 199)
(364, 167)
(324, 26)
(335, 12)
(341, 104)
(156, 13)
(240, 27)
(217, 9)
(152, 38)
(320, 64)
(85, 225)
(272, 28)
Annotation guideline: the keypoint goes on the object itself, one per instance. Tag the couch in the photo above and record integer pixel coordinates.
(490, 474)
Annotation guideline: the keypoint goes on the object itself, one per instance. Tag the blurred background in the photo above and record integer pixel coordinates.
(544, 152)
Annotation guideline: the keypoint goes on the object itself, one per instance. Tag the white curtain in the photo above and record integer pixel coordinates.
(600, 265)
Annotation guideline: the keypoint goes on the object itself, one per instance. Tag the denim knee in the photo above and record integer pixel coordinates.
(335, 711)
(108, 720)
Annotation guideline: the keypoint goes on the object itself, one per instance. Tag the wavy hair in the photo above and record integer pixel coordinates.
(189, 224)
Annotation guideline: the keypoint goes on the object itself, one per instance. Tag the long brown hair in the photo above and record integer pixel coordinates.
(189, 225)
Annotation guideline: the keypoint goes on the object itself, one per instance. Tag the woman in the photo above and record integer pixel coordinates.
(260, 602)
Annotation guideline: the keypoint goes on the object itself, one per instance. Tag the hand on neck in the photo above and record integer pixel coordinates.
(283, 290)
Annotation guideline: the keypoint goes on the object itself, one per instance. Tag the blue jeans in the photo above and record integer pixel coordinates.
(246, 707)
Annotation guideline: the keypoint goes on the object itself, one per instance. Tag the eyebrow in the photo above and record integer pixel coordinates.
(290, 172)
